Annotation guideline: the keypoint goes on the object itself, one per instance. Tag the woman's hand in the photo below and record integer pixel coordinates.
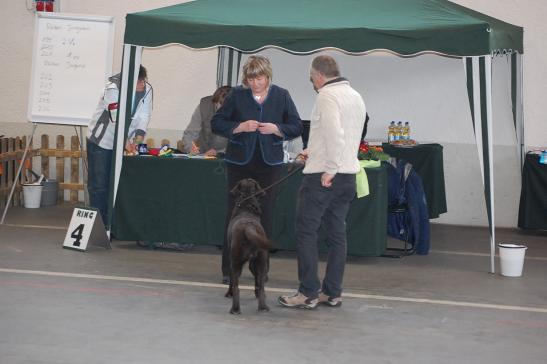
(248, 126)
(194, 149)
(302, 157)
(210, 153)
(269, 128)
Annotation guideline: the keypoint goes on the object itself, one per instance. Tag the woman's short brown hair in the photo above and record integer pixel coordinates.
(257, 66)
(220, 94)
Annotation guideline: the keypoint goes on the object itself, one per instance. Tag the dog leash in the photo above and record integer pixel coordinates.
(296, 169)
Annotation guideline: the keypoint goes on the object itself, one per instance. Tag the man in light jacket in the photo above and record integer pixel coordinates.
(100, 136)
(328, 186)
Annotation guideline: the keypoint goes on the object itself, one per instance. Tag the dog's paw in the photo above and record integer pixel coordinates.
(264, 308)
(235, 311)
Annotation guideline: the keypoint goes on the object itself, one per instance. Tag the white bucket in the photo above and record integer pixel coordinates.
(511, 259)
(32, 195)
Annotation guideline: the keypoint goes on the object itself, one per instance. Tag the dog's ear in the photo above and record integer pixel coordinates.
(236, 189)
(257, 189)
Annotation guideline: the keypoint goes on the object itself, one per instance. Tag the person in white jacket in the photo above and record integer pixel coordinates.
(100, 138)
(328, 186)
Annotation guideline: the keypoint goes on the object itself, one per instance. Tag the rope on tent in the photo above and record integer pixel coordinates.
(503, 52)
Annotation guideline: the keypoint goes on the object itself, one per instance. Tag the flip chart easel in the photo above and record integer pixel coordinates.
(71, 61)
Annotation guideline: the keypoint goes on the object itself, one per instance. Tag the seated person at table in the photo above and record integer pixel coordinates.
(198, 137)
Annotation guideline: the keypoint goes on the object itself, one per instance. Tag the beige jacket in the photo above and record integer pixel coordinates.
(336, 125)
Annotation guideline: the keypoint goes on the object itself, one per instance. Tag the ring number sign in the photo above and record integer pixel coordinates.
(86, 227)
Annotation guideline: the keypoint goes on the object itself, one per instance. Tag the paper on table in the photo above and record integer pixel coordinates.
(201, 156)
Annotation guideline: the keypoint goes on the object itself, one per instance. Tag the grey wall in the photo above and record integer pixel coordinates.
(428, 91)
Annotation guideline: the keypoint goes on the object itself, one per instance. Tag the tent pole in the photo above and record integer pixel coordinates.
(520, 106)
(488, 76)
(119, 138)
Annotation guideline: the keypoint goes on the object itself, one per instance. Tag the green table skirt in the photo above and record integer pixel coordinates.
(533, 196)
(427, 160)
(184, 200)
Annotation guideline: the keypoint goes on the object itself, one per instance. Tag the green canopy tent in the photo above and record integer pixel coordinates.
(403, 27)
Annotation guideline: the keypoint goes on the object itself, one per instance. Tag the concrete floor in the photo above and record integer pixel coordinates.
(134, 305)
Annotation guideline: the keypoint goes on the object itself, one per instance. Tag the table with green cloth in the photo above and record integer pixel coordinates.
(427, 160)
(533, 195)
(184, 200)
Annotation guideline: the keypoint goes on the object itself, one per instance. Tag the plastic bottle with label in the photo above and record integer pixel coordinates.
(399, 131)
(406, 131)
(391, 132)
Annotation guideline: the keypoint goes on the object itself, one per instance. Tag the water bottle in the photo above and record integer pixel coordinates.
(391, 132)
(399, 131)
(406, 131)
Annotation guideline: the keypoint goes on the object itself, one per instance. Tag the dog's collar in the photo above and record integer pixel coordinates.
(254, 207)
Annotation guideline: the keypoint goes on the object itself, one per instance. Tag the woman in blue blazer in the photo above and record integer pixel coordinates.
(256, 118)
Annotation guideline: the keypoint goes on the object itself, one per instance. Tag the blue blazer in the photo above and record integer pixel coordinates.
(403, 188)
(239, 106)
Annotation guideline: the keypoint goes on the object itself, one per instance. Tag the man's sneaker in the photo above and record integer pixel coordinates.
(329, 301)
(297, 300)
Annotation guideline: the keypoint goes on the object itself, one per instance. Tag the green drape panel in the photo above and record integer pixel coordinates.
(514, 87)
(517, 103)
(485, 138)
(479, 119)
(184, 200)
(129, 92)
(228, 65)
(479, 77)
(125, 124)
(470, 94)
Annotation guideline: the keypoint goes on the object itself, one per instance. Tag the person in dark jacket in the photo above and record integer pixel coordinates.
(256, 118)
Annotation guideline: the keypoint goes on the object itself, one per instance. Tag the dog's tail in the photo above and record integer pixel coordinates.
(257, 237)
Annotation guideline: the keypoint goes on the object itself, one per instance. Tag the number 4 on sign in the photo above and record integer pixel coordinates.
(77, 235)
(86, 228)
